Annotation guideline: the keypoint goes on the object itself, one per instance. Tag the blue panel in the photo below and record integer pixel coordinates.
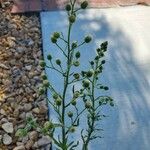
(128, 124)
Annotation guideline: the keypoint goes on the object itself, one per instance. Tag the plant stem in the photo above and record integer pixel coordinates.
(66, 81)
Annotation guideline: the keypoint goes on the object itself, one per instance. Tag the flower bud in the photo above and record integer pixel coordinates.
(48, 125)
(42, 63)
(76, 94)
(92, 63)
(103, 62)
(73, 102)
(84, 4)
(72, 129)
(97, 57)
(98, 50)
(77, 54)
(72, 18)
(76, 76)
(53, 40)
(87, 39)
(70, 114)
(86, 83)
(111, 104)
(106, 88)
(74, 45)
(49, 57)
(68, 7)
(101, 54)
(76, 63)
(104, 46)
(44, 77)
(58, 101)
(88, 104)
(46, 83)
(56, 35)
(58, 62)
(41, 90)
(90, 73)
(55, 96)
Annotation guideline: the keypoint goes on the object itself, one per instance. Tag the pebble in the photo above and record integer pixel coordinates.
(28, 67)
(44, 141)
(8, 127)
(36, 110)
(33, 135)
(27, 107)
(7, 139)
(21, 147)
(29, 144)
(20, 76)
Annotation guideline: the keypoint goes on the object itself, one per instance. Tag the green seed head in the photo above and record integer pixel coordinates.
(87, 39)
(74, 45)
(44, 77)
(88, 104)
(70, 114)
(48, 125)
(49, 57)
(72, 129)
(84, 5)
(92, 63)
(72, 18)
(101, 54)
(111, 104)
(41, 90)
(68, 7)
(73, 102)
(97, 57)
(103, 62)
(46, 83)
(98, 50)
(90, 73)
(86, 83)
(55, 96)
(76, 63)
(104, 46)
(77, 54)
(76, 94)
(56, 35)
(76, 76)
(58, 101)
(106, 88)
(42, 63)
(58, 62)
(53, 39)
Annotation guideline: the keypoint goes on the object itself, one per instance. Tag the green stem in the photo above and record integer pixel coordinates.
(66, 80)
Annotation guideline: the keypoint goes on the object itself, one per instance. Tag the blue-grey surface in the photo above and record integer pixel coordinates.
(127, 70)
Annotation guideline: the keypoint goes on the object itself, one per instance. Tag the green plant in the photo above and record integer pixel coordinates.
(86, 96)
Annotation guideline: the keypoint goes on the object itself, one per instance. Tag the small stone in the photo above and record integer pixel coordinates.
(28, 67)
(7, 139)
(8, 127)
(33, 135)
(29, 144)
(45, 140)
(36, 110)
(21, 147)
(27, 107)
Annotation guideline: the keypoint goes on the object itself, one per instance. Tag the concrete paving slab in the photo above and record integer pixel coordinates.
(127, 71)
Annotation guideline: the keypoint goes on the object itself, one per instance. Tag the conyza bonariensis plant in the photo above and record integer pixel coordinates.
(86, 97)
